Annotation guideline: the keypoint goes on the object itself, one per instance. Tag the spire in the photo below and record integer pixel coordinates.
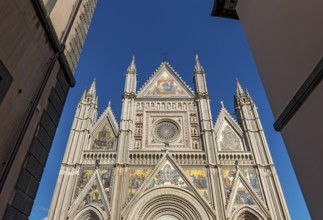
(239, 90)
(198, 66)
(92, 90)
(109, 104)
(132, 66)
(84, 94)
(248, 95)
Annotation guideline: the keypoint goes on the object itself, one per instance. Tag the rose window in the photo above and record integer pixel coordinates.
(166, 131)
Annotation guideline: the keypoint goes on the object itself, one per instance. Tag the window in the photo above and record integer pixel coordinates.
(5, 81)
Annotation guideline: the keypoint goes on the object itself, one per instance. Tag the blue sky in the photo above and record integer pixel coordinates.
(181, 28)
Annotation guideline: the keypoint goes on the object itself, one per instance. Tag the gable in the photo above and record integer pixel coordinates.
(93, 191)
(228, 132)
(228, 139)
(165, 83)
(86, 175)
(103, 136)
(243, 195)
(229, 178)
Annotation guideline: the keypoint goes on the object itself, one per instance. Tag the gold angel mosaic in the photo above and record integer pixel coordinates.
(136, 178)
(228, 180)
(198, 178)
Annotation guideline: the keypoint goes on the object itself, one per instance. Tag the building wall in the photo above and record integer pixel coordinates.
(27, 52)
(286, 43)
(61, 14)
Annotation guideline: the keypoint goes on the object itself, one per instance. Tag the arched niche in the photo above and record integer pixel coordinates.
(248, 213)
(90, 213)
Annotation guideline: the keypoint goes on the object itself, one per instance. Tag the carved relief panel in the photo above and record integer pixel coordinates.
(166, 128)
(170, 123)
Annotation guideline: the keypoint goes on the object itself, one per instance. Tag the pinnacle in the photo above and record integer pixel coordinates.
(92, 90)
(84, 94)
(239, 89)
(132, 66)
(222, 104)
(198, 66)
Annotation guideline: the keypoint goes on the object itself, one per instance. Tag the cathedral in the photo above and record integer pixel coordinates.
(167, 159)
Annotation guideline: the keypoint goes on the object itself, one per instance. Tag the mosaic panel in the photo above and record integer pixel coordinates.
(136, 178)
(228, 176)
(198, 178)
(86, 174)
(165, 85)
(243, 197)
(93, 196)
(104, 138)
(250, 174)
(228, 139)
(167, 176)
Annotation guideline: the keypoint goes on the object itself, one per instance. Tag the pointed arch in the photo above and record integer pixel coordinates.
(91, 212)
(247, 213)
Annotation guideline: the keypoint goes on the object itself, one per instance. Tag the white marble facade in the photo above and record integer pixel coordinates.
(166, 159)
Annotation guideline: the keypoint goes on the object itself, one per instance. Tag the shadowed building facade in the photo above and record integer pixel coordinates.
(41, 42)
(287, 49)
(166, 159)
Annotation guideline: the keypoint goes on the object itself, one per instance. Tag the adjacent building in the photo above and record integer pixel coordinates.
(286, 43)
(41, 42)
(167, 159)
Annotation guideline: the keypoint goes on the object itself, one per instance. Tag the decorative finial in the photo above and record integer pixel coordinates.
(92, 90)
(84, 94)
(109, 104)
(222, 104)
(247, 92)
(198, 66)
(239, 90)
(132, 66)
